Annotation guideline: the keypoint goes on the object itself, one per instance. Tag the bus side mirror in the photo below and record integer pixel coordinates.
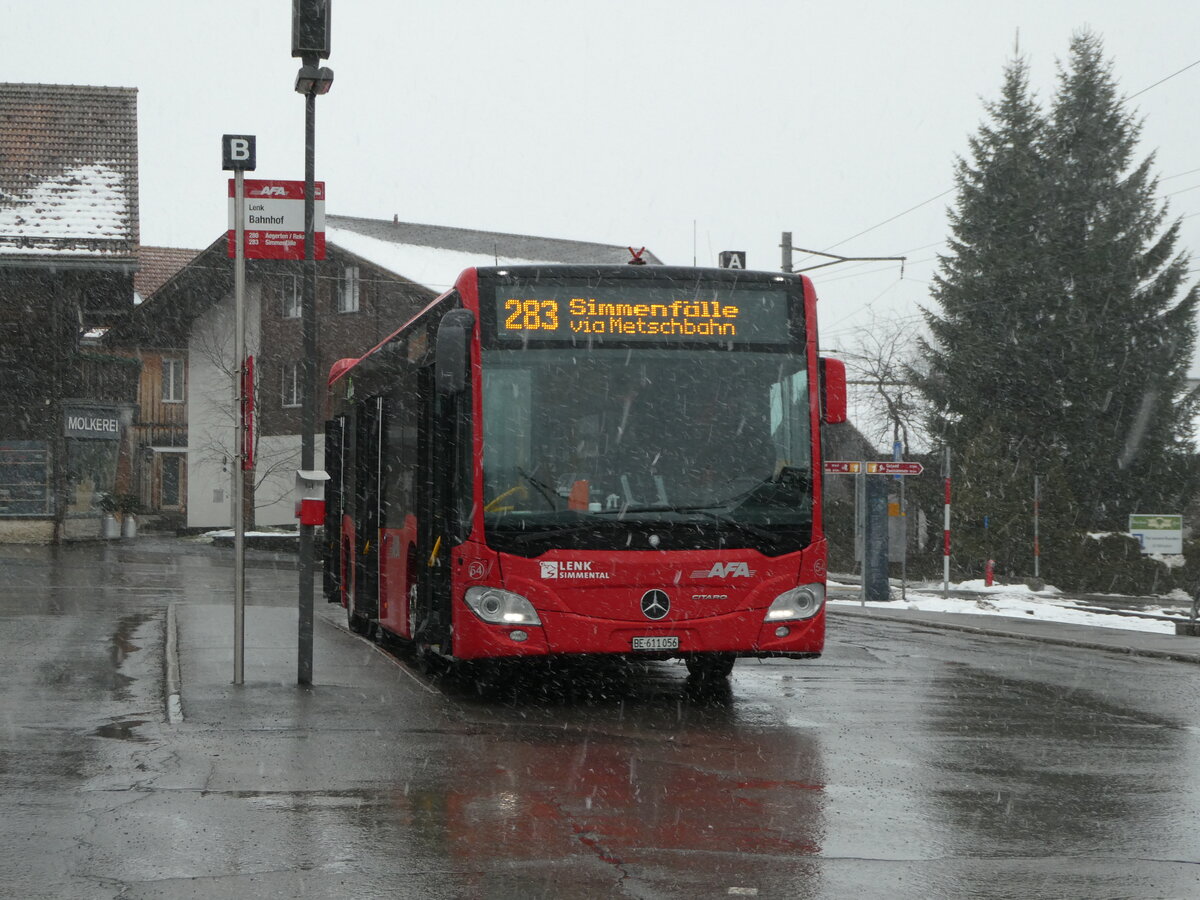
(453, 349)
(833, 391)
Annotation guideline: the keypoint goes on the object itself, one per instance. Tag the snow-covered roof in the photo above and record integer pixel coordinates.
(432, 267)
(434, 255)
(68, 171)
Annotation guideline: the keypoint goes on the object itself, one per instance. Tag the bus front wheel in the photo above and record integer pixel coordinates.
(710, 666)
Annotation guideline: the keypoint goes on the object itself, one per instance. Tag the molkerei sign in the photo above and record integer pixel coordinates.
(91, 422)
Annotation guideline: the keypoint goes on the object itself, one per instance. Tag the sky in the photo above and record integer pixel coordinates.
(687, 126)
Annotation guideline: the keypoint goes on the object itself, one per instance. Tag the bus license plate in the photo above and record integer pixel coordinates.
(670, 642)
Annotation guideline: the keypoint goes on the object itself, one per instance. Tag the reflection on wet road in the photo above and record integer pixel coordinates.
(907, 762)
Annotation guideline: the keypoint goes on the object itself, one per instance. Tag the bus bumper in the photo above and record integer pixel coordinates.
(743, 633)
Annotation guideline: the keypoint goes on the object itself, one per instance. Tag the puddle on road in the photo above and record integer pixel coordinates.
(122, 731)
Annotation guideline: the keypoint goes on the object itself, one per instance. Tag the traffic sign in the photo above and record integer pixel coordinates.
(237, 152)
(1158, 533)
(273, 219)
(833, 467)
(844, 467)
(894, 468)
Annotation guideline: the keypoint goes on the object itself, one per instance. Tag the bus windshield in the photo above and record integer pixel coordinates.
(646, 448)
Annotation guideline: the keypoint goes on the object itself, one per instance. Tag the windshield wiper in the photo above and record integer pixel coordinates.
(544, 489)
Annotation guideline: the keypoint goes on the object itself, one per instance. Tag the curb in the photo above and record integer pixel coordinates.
(1174, 656)
(171, 656)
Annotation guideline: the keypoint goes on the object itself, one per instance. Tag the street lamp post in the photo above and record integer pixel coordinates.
(310, 42)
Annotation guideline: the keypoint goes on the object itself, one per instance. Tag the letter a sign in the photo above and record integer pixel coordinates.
(237, 152)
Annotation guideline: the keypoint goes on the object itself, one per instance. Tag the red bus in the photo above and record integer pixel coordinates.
(554, 460)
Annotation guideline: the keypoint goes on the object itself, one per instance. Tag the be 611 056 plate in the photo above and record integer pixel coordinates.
(659, 642)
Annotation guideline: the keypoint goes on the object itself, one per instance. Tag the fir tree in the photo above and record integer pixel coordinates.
(1124, 326)
(993, 284)
(1062, 343)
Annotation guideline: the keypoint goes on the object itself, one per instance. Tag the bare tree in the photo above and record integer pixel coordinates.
(270, 460)
(887, 406)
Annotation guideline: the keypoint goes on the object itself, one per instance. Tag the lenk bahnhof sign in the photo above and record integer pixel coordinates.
(273, 219)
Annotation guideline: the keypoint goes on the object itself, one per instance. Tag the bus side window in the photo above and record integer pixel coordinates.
(507, 434)
(401, 461)
(789, 420)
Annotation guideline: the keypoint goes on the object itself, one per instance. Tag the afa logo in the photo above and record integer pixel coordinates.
(725, 570)
(270, 190)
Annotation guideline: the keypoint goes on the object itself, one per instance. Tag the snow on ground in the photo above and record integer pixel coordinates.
(1014, 601)
(228, 533)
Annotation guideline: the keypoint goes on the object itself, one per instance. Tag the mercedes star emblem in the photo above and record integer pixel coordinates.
(655, 604)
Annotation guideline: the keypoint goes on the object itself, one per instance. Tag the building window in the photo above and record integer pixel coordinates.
(291, 384)
(348, 290)
(293, 296)
(172, 380)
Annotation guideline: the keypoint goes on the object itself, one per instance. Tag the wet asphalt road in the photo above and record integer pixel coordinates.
(908, 762)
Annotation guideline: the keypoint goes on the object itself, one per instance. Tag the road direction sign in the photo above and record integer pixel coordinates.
(838, 467)
(894, 468)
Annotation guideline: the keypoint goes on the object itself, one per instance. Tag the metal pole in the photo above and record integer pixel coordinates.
(785, 244)
(1037, 550)
(875, 543)
(860, 530)
(904, 544)
(239, 357)
(898, 455)
(946, 528)
(308, 427)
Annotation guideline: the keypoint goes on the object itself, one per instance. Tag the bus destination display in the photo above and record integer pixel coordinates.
(634, 313)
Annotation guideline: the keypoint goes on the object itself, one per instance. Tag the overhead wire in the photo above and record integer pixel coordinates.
(1161, 80)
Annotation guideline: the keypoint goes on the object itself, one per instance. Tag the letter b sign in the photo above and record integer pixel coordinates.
(237, 152)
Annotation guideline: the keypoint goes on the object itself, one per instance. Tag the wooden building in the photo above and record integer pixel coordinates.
(68, 239)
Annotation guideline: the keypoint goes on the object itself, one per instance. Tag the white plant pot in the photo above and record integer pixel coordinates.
(110, 528)
(129, 526)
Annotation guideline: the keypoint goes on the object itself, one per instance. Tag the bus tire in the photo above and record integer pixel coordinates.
(430, 663)
(710, 666)
(359, 624)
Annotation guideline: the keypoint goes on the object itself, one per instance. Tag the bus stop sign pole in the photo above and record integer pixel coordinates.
(238, 155)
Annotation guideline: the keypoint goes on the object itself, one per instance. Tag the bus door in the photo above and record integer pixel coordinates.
(431, 599)
(443, 505)
(368, 465)
(444, 490)
(398, 524)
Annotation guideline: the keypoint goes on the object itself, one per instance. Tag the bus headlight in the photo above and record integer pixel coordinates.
(499, 607)
(801, 602)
